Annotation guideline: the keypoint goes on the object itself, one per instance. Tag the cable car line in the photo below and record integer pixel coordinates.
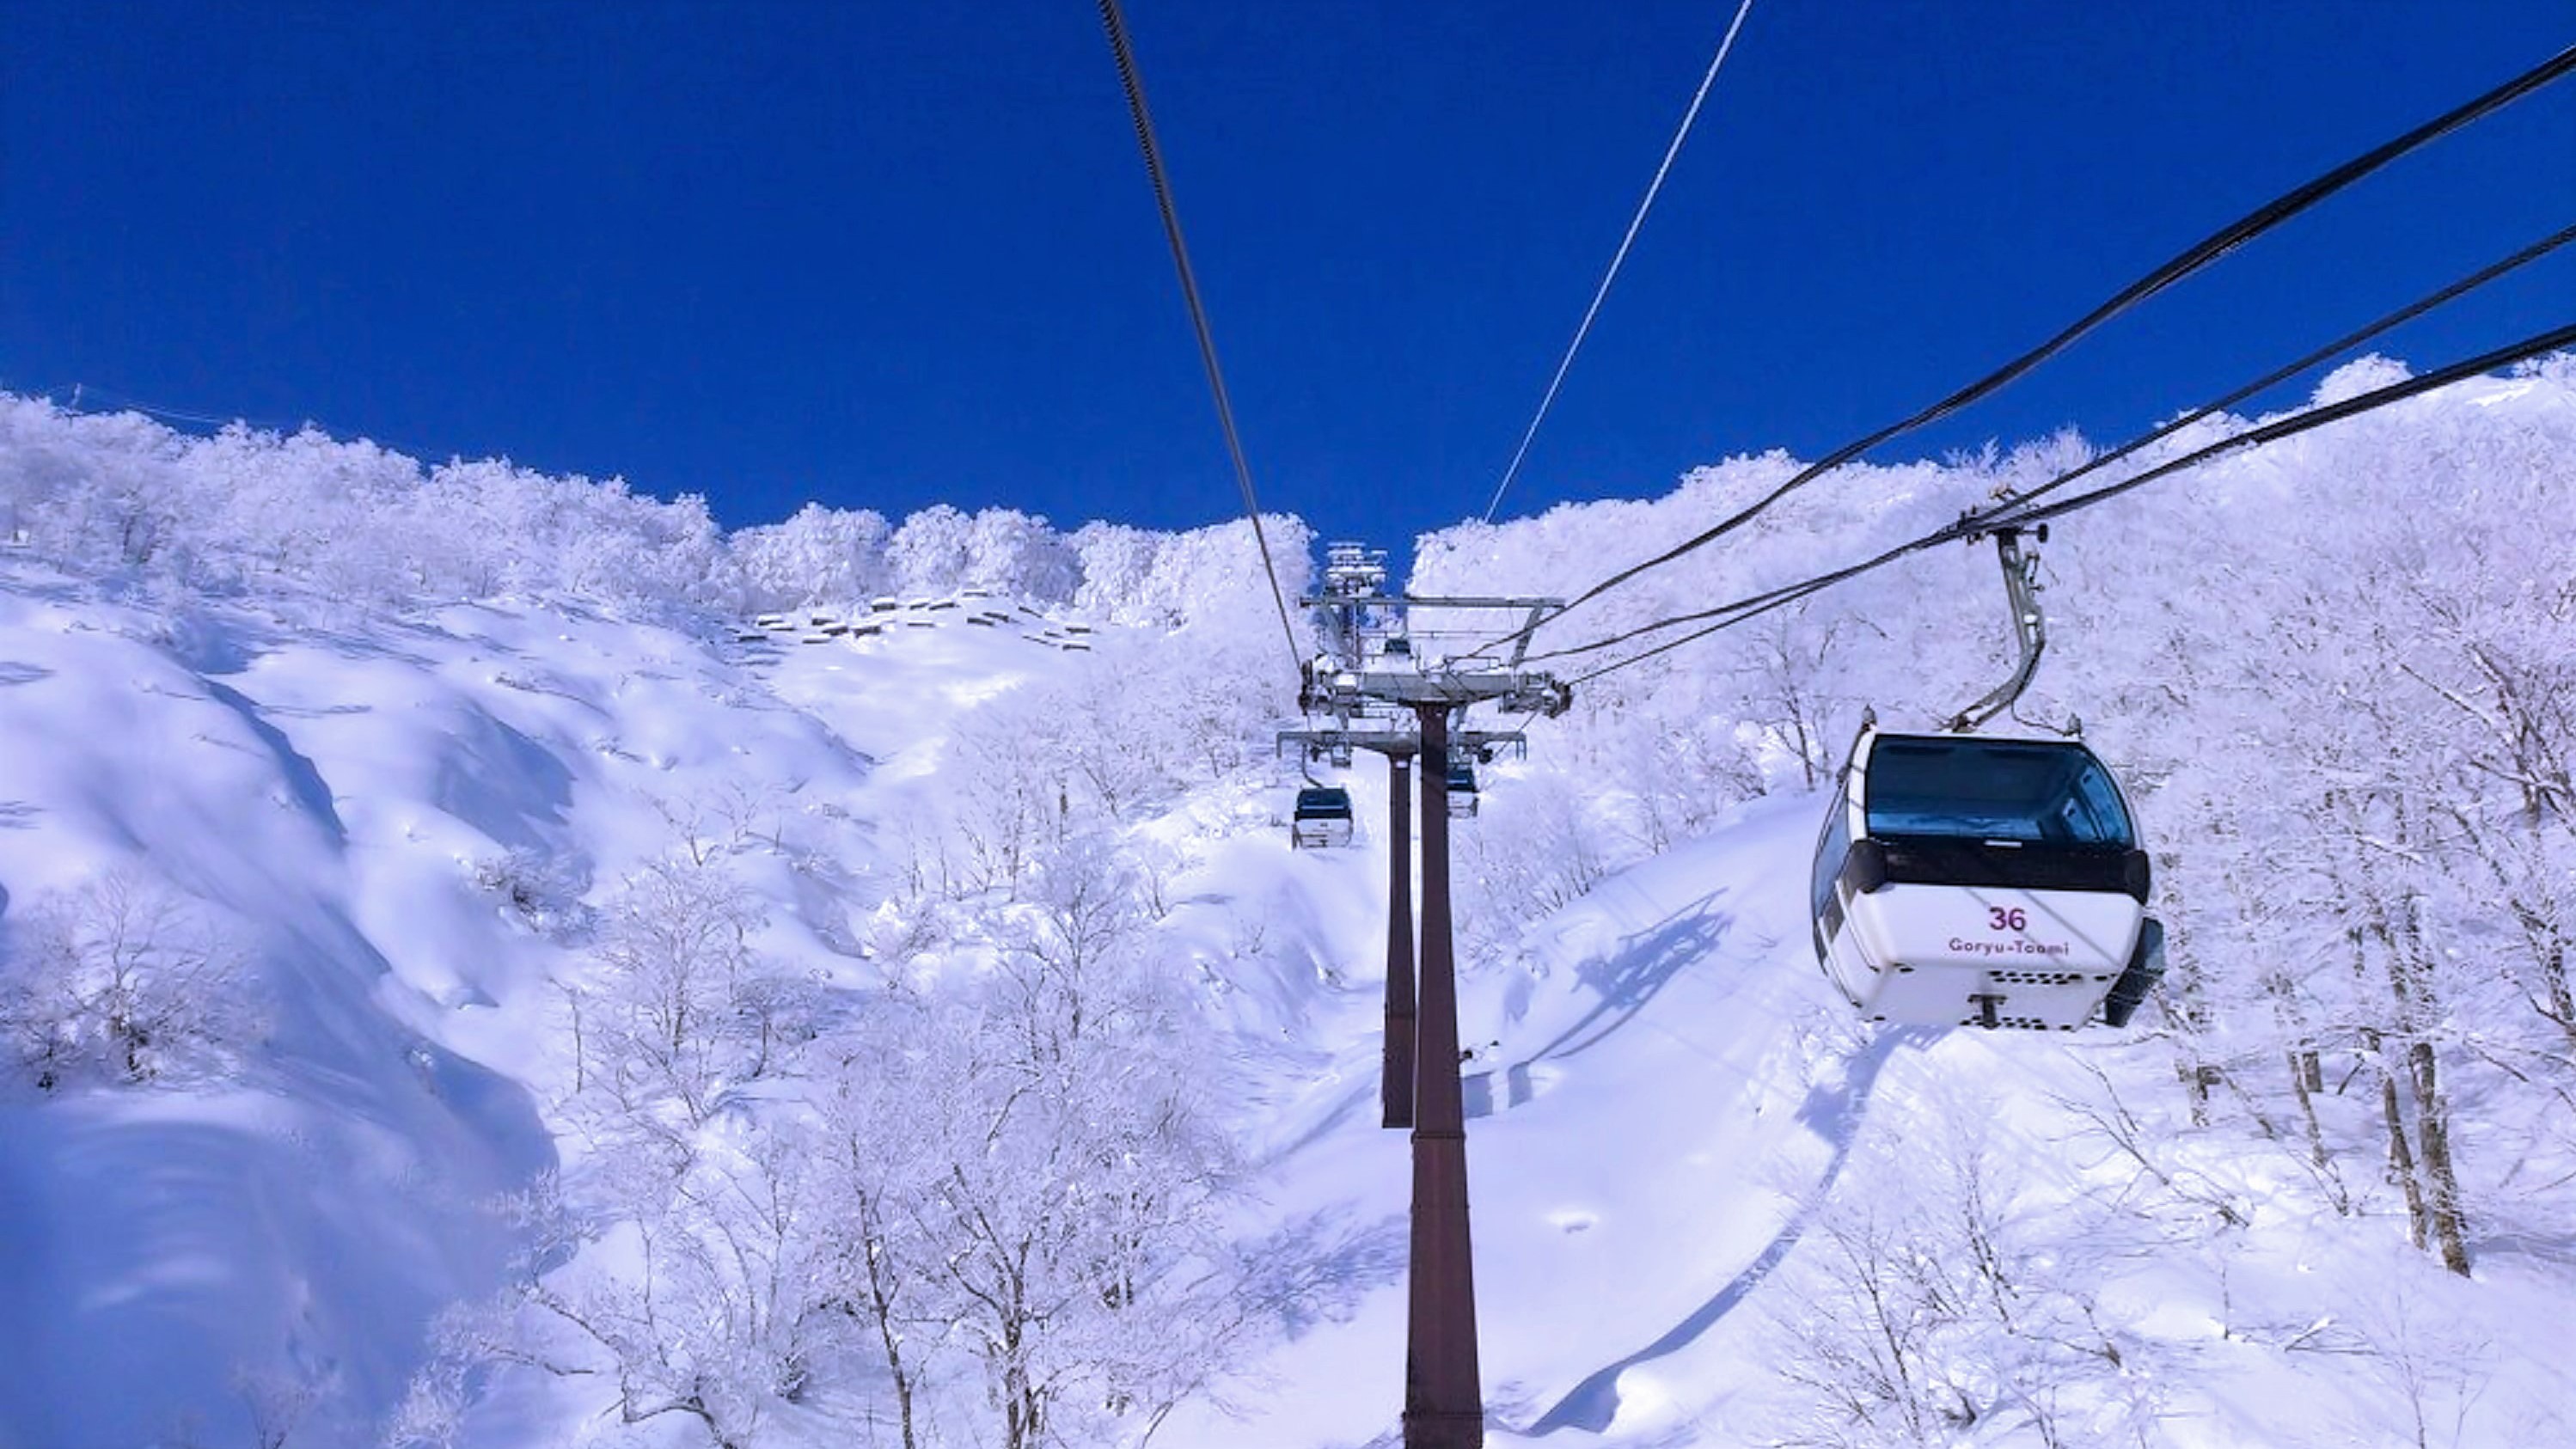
(2014, 513)
(2191, 260)
(1116, 24)
(2345, 343)
(1636, 222)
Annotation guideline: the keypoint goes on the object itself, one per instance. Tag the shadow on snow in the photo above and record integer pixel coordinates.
(1833, 1111)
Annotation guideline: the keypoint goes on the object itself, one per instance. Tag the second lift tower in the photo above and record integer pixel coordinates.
(1372, 673)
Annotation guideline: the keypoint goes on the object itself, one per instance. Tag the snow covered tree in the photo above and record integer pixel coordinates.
(123, 979)
(1076, 1176)
(820, 555)
(1937, 1299)
(694, 1301)
(1018, 555)
(662, 1027)
(929, 552)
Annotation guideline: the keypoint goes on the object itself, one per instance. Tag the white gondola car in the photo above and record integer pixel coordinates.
(1968, 880)
(1463, 795)
(1323, 818)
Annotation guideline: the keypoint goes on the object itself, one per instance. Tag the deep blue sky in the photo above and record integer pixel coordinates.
(883, 255)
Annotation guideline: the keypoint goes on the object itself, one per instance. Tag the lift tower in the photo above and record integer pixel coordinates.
(1399, 739)
(1370, 676)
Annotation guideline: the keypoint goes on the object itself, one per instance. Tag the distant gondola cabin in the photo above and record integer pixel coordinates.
(1323, 818)
(1462, 791)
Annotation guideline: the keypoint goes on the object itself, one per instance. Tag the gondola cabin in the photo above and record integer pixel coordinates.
(1462, 792)
(1323, 818)
(1969, 880)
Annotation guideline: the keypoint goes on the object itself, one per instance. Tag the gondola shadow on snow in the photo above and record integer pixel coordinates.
(1833, 1111)
(1626, 979)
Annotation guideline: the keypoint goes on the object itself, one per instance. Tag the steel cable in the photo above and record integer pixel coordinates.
(2412, 310)
(2013, 513)
(1584, 328)
(2192, 259)
(1116, 24)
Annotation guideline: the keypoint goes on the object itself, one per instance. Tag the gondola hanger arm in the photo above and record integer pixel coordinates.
(2030, 624)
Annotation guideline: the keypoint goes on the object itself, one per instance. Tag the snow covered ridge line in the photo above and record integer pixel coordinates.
(1572, 545)
(120, 494)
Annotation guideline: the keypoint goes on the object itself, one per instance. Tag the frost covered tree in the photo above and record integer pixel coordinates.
(123, 979)
(1010, 800)
(1070, 1172)
(1538, 846)
(992, 1213)
(663, 1025)
(818, 556)
(692, 1301)
(1017, 554)
(929, 552)
(1936, 1298)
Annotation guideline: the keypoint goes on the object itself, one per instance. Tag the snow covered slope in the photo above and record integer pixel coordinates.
(1670, 1112)
(356, 863)
(335, 807)
(1684, 1154)
(330, 928)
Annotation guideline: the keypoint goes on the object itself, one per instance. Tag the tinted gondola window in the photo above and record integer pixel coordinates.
(1325, 804)
(1831, 845)
(2024, 790)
